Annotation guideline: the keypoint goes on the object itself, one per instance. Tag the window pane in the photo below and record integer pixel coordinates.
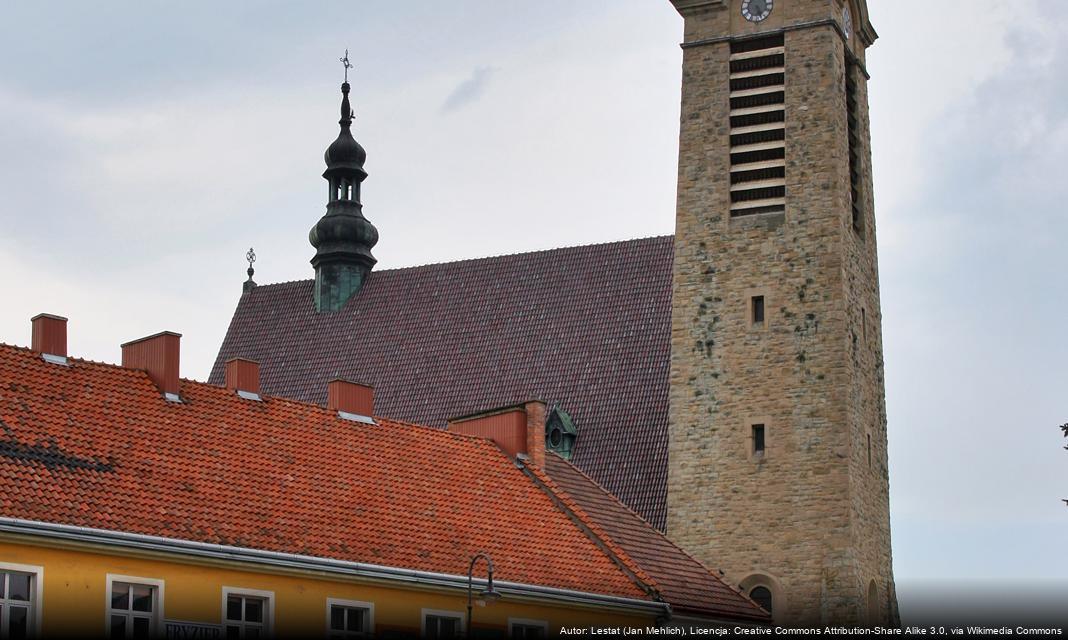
(252, 632)
(120, 595)
(337, 618)
(18, 621)
(762, 596)
(233, 608)
(432, 627)
(758, 309)
(18, 586)
(526, 631)
(355, 622)
(233, 632)
(3, 583)
(118, 626)
(448, 627)
(142, 597)
(140, 627)
(253, 610)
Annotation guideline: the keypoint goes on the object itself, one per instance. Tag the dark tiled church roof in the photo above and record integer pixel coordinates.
(587, 328)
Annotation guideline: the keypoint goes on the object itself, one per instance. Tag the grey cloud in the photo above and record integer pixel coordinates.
(974, 352)
(469, 90)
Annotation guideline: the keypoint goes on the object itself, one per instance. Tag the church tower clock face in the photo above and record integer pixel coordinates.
(757, 10)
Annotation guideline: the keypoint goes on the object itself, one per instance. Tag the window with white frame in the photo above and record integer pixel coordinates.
(134, 607)
(20, 593)
(349, 618)
(442, 624)
(519, 628)
(247, 613)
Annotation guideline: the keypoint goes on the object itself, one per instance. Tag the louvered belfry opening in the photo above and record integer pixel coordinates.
(854, 163)
(758, 126)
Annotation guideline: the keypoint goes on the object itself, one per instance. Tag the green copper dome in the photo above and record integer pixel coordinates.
(342, 238)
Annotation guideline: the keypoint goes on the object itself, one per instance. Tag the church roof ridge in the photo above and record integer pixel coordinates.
(589, 245)
(532, 252)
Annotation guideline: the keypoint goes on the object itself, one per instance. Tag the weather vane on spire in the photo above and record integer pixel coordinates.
(347, 64)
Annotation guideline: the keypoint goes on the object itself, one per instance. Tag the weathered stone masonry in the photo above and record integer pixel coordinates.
(808, 519)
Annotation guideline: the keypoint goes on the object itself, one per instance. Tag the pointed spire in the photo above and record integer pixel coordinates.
(346, 111)
(345, 63)
(343, 238)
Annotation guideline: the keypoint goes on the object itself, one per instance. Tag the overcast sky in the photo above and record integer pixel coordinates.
(147, 145)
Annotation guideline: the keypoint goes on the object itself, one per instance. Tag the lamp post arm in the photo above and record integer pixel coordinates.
(470, 583)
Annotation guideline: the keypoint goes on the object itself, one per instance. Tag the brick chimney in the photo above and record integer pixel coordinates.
(517, 430)
(243, 376)
(351, 400)
(158, 355)
(49, 337)
(535, 411)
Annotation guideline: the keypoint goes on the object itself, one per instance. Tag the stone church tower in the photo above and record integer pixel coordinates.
(778, 464)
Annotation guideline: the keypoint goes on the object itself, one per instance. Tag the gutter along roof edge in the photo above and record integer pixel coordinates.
(143, 542)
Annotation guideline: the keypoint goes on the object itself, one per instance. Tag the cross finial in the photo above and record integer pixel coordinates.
(347, 64)
(250, 257)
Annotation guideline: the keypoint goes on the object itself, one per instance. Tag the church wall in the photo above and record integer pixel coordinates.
(870, 488)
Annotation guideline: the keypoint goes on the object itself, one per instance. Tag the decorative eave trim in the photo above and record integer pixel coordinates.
(868, 34)
(295, 562)
(826, 22)
(865, 28)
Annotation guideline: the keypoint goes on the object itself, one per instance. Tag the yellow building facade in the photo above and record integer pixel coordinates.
(99, 589)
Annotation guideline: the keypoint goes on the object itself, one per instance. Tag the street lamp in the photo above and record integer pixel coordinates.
(486, 595)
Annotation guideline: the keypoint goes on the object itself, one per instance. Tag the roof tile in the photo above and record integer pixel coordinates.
(587, 328)
(679, 578)
(96, 445)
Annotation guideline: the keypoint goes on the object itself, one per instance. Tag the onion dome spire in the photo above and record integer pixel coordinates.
(343, 238)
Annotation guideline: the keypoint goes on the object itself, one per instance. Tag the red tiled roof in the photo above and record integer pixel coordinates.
(587, 328)
(96, 445)
(680, 579)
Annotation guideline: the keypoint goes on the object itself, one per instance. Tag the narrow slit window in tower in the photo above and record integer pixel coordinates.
(758, 440)
(757, 306)
(869, 450)
(854, 144)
